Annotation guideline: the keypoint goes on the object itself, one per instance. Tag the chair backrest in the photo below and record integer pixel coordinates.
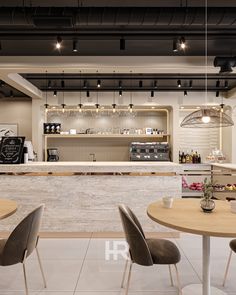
(24, 237)
(135, 238)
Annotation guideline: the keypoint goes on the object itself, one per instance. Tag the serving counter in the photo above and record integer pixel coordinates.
(83, 196)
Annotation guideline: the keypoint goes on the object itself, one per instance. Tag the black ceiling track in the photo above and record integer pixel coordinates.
(140, 82)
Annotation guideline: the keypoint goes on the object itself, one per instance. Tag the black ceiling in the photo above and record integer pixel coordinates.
(134, 82)
(9, 92)
(148, 27)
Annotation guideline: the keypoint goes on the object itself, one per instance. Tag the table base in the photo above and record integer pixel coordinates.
(196, 289)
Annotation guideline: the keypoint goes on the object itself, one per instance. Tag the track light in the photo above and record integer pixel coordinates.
(217, 93)
(80, 107)
(190, 83)
(182, 43)
(155, 84)
(131, 107)
(120, 84)
(99, 83)
(2, 83)
(0, 45)
(75, 46)
(122, 44)
(120, 93)
(175, 45)
(11, 93)
(85, 84)
(54, 93)
(97, 107)
(152, 93)
(88, 93)
(49, 84)
(218, 83)
(140, 83)
(113, 107)
(59, 41)
(185, 93)
(179, 83)
(226, 84)
(62, 84)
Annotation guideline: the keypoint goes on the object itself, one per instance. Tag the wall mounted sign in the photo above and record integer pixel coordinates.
(11, 149)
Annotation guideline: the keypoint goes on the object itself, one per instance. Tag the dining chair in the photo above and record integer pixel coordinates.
(22, 242)
(146, 252)
(232, 245)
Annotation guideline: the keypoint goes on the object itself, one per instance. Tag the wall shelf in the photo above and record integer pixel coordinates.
(105, 136)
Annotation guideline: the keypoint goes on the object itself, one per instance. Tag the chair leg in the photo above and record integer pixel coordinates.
(41, 268)
(171, 277)
(123, 278)
(24, 271)
(227, 267)
(178, 280)
(129, 276)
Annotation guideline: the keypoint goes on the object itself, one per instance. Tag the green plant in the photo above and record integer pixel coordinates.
(207, 189)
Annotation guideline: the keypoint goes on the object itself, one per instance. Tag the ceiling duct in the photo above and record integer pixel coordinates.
(225, 63)
(191, 18)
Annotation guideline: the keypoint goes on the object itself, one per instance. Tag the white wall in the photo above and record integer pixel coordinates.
(19, 112)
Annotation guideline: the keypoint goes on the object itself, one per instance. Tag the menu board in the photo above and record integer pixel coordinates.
(11, 149)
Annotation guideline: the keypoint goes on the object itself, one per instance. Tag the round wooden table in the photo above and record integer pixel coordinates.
(187, 216)
(7, 208)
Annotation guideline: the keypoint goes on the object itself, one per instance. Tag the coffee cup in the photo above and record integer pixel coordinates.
(167, 202)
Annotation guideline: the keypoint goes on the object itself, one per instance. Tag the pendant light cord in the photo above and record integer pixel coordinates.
(80, 85)
(131, 85)
(46, 88)
(206, 49)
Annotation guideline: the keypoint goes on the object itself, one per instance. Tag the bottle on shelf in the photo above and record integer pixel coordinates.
(189, 158)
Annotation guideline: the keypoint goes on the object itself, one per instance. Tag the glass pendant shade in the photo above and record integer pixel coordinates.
(207, 118)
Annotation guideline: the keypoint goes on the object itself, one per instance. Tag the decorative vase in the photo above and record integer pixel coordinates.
(207, 205)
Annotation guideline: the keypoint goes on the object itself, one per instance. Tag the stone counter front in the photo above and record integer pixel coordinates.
(88, 202)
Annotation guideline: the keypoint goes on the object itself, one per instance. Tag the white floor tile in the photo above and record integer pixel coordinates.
(61, 275)
(97, 248)
(62, 249)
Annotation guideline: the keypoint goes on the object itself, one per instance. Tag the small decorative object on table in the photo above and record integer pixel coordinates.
(207, 204)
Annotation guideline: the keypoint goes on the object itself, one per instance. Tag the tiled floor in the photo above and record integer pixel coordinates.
(78, 267)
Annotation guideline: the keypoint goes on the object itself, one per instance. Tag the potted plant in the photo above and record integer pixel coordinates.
(207, 204)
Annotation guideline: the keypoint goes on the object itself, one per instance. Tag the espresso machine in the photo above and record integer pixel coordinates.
(149, 151)
(52, 155)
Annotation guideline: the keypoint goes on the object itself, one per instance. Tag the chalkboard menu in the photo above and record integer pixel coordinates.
(11, 149)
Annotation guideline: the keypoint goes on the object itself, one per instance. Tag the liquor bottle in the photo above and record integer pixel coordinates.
(180, 157)
(183, 158)
(187, 158)
(199, 159)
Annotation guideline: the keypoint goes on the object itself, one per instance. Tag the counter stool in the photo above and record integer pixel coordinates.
(22, 242)
(146, 252)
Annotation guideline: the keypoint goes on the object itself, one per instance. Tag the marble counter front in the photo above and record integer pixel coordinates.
(87, 202)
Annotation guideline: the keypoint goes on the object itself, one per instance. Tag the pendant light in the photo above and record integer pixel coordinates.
(46, 105)
(207, 117)
(80, 103)
(131, 96)
(114, 98)
(97, 104)
(63, 93)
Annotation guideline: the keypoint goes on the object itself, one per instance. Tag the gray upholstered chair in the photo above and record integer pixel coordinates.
(232, 245)
(22, 242)
(146, 252)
